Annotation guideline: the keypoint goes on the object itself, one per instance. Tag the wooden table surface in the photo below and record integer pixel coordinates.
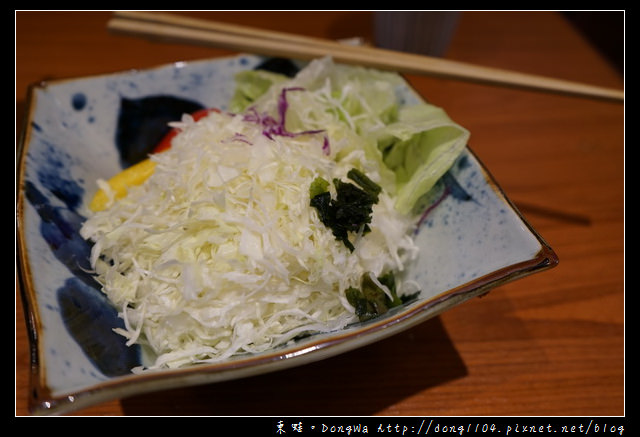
(551, 344)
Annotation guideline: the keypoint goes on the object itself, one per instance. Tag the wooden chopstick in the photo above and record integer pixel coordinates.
(221, 27)
(171, 27)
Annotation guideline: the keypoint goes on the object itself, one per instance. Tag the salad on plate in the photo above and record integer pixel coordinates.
(291, 213)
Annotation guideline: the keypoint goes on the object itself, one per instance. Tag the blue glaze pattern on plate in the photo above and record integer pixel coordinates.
(72, 140)
(90, 320)
(144, 121)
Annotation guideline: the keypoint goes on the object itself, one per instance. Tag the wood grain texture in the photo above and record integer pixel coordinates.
(549, 344)
(170, 27)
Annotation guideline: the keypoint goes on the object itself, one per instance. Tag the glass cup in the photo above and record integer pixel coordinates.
(422, 32)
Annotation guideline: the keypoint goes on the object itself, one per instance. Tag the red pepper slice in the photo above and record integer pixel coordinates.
(165, 143)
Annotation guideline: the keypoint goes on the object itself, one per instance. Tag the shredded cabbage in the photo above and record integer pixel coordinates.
(219, 253)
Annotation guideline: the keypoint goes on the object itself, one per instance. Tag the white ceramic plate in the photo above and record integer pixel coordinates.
(73, 129)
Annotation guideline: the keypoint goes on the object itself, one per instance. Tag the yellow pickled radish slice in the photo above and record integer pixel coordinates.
(119, 184)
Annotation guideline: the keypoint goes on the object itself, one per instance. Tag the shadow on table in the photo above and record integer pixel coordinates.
(359, 383)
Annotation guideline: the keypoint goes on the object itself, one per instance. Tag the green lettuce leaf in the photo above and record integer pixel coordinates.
(419, 148)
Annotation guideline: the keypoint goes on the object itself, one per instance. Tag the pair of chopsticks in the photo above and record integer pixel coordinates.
(177, 28)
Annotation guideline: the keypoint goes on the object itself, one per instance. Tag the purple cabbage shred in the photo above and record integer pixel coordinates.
(273, 127)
